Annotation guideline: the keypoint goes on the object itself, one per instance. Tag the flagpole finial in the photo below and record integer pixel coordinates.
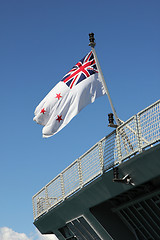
(91, 39)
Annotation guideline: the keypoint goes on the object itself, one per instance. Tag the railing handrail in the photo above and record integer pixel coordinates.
(149, 107)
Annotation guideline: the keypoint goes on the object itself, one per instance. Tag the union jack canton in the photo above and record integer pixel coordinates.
(82, 70)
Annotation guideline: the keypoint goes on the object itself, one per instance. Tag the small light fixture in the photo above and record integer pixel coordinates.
(111, 120)
(126, 179)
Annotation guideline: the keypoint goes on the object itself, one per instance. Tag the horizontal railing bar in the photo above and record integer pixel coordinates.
(43, 189)
(149, 107)
(150, 144)
(71, 165)
(70, 193)
(125, 123)
(86, 153)
(53, 180)
(129, 155)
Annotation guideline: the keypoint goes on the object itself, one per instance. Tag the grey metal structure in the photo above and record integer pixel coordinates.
(132, 137)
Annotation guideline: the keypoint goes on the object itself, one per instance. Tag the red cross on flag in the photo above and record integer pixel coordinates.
(79, 87)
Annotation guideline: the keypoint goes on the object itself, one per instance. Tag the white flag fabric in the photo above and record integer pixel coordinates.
(81, 86)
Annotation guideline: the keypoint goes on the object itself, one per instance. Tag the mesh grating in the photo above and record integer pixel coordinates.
(149, 123)
(127, 139)
(71, 179)
(39, 203)
(54, 192)
(108, 147)
(90, 164)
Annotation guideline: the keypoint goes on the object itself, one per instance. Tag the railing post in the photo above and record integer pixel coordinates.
(46, 198)
(34, 214)
(139, 133)
(118, 146)
(101, 156)
(62, 186)
(80, 172)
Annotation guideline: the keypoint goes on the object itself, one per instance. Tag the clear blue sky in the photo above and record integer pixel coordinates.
(40, 41)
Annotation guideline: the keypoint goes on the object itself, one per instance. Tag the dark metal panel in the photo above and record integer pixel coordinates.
(89, 228)
(143, 215)
(82, 229)
(76, 231)
(67, 233)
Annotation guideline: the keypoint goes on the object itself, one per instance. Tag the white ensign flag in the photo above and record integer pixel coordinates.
(79, 87)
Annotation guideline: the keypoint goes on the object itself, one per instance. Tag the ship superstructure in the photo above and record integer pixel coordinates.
(110, 192)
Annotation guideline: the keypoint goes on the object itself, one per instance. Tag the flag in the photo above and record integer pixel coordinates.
(79, 87)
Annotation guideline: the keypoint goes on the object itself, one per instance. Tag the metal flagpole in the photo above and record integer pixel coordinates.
(92, 44)
(127, 178)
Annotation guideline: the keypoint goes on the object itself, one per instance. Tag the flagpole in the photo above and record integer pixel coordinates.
(92, 44)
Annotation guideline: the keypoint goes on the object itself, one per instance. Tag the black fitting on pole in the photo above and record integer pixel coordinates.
(110, 118)
(91, 39)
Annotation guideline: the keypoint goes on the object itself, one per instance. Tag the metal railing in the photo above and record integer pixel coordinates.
(131, 137)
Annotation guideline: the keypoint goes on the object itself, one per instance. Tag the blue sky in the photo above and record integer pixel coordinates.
(40, 41)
